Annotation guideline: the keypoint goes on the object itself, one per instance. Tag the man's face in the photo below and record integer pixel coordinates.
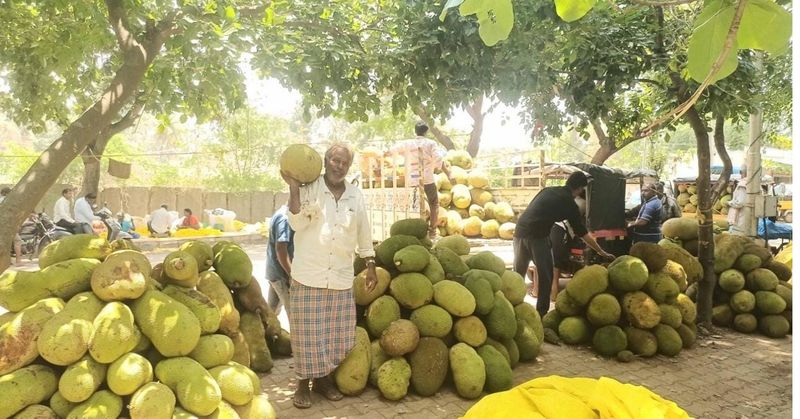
(69, 194)
(337, 165)
(647, 193)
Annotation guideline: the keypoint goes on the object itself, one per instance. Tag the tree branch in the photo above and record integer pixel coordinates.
(598, 130)
(727, 167)
(130, 118)
(119, 23)
(476, 112)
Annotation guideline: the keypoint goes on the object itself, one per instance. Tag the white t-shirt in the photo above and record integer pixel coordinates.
(160, 220)
(83, 211)
(327, 233)
(431, 155)
(61, 211)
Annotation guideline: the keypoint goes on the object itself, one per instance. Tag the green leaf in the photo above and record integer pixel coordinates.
(707, 41)
(572, 10)
(496, 23)
(758, 16)
(471, 7)
(447, 6)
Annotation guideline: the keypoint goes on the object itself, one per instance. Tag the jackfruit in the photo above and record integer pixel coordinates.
(731, 280)
(527, 343)
(552, 319)
(377, 358)
(742, 301)
(241, 353)
(122, 276)
(429, 366)
(727, 249)
(152, 401)
(482, 291)
(19, 289)
(442, 182)
(488, 261)
(687, 308)
(641, 342)
(103, 404)
(513, 287)
(301, 162)
(454, 297)
(661, 288)
(603, 310)
(669, 341)
(413, 258)
(627, 273)
(498, 371)
(506, 230)
(480, 197)
(761, 280)
(500, 322)
(81, 379)
(745, 323)
(683, 228)
(235, 384)
(774, 326)
(128, 373)
(352, 374)
(400, 338)
(461, 196)
(609, 340)
(785, 293)
(722, 315)
(18, 337)
(434, 271)
(201, 306)
(651, 254)
(64, 338)
(675, 271)
(670, 315)
(471, 226)
(172, 328)
(476, 210)
(469, 371)
(24, 387)
(60, 405)
(181, 268)
(76, 246)
(769, 302)
(457, 243)
(394, 376)
(202, 253)
(574, 330)
(747, 262)
(386, 249)
(195, 388)
(780, 269)
(234, 267)
(212, 350)
(503, 212)
(381, 313)
(587, 282)
(432, 320)
(688, 335)
(416, 227)
(470, 330)
(568, 306)
(694, 271)
(490, 229)
(253, 330)
(641, 310)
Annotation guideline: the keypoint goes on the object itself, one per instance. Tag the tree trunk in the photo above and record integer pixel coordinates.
(440, 136)
(602, 154)
(705, 239)
(51, 163)
(91, 171)
(476, 112)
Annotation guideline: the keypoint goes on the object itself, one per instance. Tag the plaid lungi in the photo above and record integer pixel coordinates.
(323, 328)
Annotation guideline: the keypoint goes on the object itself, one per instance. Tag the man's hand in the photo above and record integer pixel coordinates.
(607, 255)
(372, 279)
(292, 182)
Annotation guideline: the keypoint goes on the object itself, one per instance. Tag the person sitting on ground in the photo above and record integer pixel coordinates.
(647, 226)
(432, 156)
(280, 252)
(62, 216)
(126, 225)
(189, 220)
(160, 221)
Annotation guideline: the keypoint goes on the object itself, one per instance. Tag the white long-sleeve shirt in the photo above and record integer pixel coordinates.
(431, 156)
(736, 205)
(61, 211)
(83, 211)
(326, 234)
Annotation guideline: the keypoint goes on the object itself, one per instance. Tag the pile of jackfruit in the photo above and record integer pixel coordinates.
(466, 206)
(753, 291)
(437, 311)
(635, 307)
(687, 199)
(99, 333)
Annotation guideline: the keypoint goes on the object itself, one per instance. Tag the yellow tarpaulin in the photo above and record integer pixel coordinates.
(785, 256)
(575, 398)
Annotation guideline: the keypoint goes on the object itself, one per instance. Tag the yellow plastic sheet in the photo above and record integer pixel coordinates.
(575, 398)
(785, 256)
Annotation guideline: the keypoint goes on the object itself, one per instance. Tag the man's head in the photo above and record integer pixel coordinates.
(5, 191)
(577, 182)
(648, 190)
(68, 192)
(338, 159)
(421, 128)
(187, 211)
(164, 206)
(91, 196)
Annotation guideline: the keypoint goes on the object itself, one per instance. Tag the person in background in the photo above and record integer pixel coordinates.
(330, 221)
(17, 243)
(736, 205)
(432, 156)
(189, 220)
(159, 221)
(669, 207)
(280, 251)
(647, 225)
(62, 215)
(532, 235)
(84, 208)
(126, 225)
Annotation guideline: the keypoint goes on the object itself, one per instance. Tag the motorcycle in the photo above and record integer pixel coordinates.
(113, 228)
(37, 233)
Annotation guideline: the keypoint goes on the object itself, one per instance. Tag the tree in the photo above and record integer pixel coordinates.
(89, 65)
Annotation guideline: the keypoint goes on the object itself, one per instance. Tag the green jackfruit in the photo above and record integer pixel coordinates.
(36, 411)
(641, 342)
(64, 338)
(727, 249)
(527, 343)
(786, 294)
(492, 278)
(688, 335)
(381, 313)
(500, 348)
(114, 333)
(513, 351)
(195, 388)
(742, 302)
(469, 371)
(103, 404)
(411, 290)
(641, 310)
(745, 323)
(128, 373)
(683, 228)
(235, 384)
(574, 330)
(172, 328)
(761, 280)
(454, 297)
(24, 387)
(687, 308)
(566, 305)
(394, 376)
(470, 330)
(241, 353)
(19, 290)
(669, 341)
(429, 366)
(432, 320)
(400, 338)
(416, 227)
(234, 267)
(625, 356)
(413, 258)
(18, 337)
(152, 401)
(774, 326)
(603, 310)
(74, 247)
(377, 358)
(258, 408)
(762, 252)
(722, 315)
(434, 271)
(513, 287)
(457, 243)
(386, 249)
(452, 264)
(780, 269)
(769, 302)
(500, 322)
(651, 254)
(202, 307)
(360, 293)
(202, 253)
(482, 291)
(253, 330)
(747, 262)
(627, 273)
(609, 340)
(675, 271)
(661, 288)
(181, 268)
(60, 405)
(552, 319)
(498, 371)
(213, 350)
(694, 271)
(121, 276)
(586, 283)
(352, 374)
(530, 316)
(670, 315)
(81, 379)
(731, 281)
(211, 286)
(487, 261)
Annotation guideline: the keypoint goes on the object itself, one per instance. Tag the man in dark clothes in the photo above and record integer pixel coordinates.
(532, 235)
(647, 226)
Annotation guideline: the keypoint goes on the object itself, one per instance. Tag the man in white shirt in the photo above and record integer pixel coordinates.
(84, 212)
(736, 206)
(160, 220)
(62, 216)
(330, 221)
(432, 156)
